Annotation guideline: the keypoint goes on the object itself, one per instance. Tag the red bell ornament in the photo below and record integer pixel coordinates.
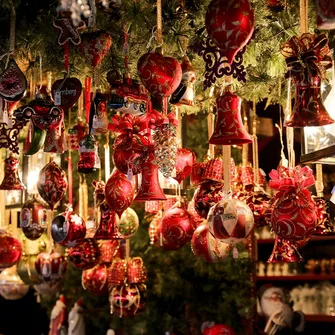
(185, 160)
(85, 255)
(68, 229)
(95, 280)
(230, 25)
(10, 250)
(33, 218)
(52, 183)
(51, 267)
(11, 180)
(229, 128)
(285, 251)
(150, 188)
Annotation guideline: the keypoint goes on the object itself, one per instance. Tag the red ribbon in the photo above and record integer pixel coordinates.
(69, 178)
(66, 56)
(87, 96)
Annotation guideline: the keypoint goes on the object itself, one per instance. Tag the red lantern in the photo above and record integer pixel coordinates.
(50, 266)
(117, 272)
(230, 25)
(136, 271)
(95, 280)
(185, 161)
(218, 330)
(85, 255)
(11, 180)
(10, 250)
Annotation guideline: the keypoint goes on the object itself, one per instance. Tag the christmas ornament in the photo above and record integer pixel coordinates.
(117, 272)
(11, 179)
(95, 280)
(294, 215)
(13, 83)
(207, 195)
(50, 266)
(170, 201)
(218, 330)
(119, 192)
(230, 221)
(76, 134)
(55, 140)
(85, 255)
(100, 114)
(326, 14)
(89, 160)
(259, 203)
(128, 300)
(197, 172)
(176, 228)
(34, 141)
(324, 225)
(66, 92)
(184, 163)
(136, 271)
(229, 129)
(68, 228)
(160, 75)
(52, 183)
(213, 170)
(165, 144)
(127, 226)
(207, 248)
(197, 219)
(58, 317)
(26, 270)
(230, 25)
(10, 250)
(68, 32)
(153, 206)
(308, 110)
(285, 251)
(33, 218)
(109, 250)
(184, 94)
(95, 46)
(150, 188)
(11, 286)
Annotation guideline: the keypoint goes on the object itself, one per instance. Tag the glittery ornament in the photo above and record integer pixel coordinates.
(153, 206)
(89, 160)
(95, 280)
(11, 179)
(85, 255)
(324, 225)
(51, 266)
(285, 251)
(10, 250)
(109, 250)
(127, 226)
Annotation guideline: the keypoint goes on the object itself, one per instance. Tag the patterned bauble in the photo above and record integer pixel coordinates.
(51, 266)
(26, 270)
(85, 255)
(10, 250)
(95, 280)
(128, 300)
(185, 160)
(207, 248)
(230, 221)
(11, 285)
(127, 226)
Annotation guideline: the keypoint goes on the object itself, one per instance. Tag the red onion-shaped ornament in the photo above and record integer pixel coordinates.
(95, 280)
(230, 25)
(10, 250)
(52, 183)
(184, 163)
(51, 267)
(128, 300)
(285, 251)
(11, 180)
(85, 255)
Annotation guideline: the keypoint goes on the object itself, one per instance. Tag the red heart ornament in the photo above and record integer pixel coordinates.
(69, 90)
(160, 75)
(95, 46)
(185, 161)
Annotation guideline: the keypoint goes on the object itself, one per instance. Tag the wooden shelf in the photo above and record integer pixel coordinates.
(313, 238)
(301, 277)
(320, 318)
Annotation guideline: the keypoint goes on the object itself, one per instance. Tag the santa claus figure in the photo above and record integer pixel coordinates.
(58, 317)
(76, 319)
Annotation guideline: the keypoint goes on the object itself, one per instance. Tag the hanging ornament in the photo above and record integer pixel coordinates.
(89, 160)
(13, 83)
(136, 271)
(229, 128)
(230, 221)
(52, 183)
(128, 300)
(66, 92)
(11, 286)
(285, 251)
(95, 46)
(131, 271)
(77, 133)
(294, 215)
(95, 280)
(308, 110)
(55, 140)
(109, 250)
(324, 225)
(34, 141)
(165, 144)
(11, 179)
(33, 218)
(152, 206)
(218, 330)
(85, 255)
(127, 226)
(184, 162)
(26, 270)
(184, 94)
(197, 172)
(10, 250)
(197, 219)
(207, 248)
(326, 14)
(68, 228)
(51, 267)
(119, 192)
(100, 114)
(230, 25)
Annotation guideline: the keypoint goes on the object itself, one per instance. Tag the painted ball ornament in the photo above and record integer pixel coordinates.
(84, 255)
(10, 250)
(127, 226)
(50, 266)
(95, 280)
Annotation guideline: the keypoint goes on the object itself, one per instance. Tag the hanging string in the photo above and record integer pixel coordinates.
(245, 147)
(289, 130)
(255, 161)
(69, 162)
(12, 27)
(159, 23)
(107, 159)
(41, 73)
(210, 127)
(179, 126)
(226, 153)
(319, 180)
(303, 16)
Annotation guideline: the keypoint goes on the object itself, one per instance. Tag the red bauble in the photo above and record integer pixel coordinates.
(160, 75)
(119, 192)
(52, 183)
(206, 247)
(33, 218)
(85, 255)
(218, 330)
(95, 46)
(127, 301)
(230, 221)
(207, 195)
(109, 250)
(230, 25)
(176, 228)
(50, 267)
(185, 161)
(69, 90)
(95, 280)
(68, 229)
(10, 250)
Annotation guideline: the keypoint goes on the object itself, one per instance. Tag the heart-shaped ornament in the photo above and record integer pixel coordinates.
(160, 75)
(13, 83)
(66, 92)
(94, 46)
(185, 160)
